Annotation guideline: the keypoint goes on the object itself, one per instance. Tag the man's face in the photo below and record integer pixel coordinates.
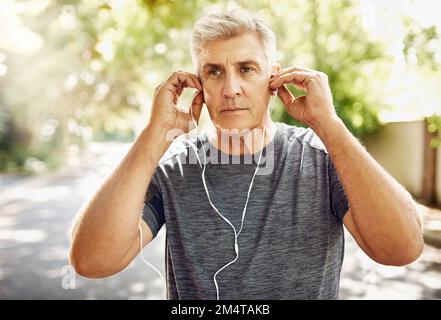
(235, 75)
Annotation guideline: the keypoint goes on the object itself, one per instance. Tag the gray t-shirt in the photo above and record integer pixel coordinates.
(292, 241)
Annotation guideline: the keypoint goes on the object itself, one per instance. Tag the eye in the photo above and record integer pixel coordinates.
(214, 72)
(246, 69)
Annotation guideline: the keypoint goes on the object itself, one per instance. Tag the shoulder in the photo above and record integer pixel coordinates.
(305, 137)
(179, 150)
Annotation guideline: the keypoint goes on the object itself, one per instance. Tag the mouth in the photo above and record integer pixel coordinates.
(232, 110)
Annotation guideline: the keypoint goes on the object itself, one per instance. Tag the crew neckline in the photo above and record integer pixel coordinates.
(207, 145)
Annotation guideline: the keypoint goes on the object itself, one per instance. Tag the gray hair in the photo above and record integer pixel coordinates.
(229, 25)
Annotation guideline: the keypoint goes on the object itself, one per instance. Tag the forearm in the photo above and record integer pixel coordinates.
(383, 211)
(383, 214)
(107, 225)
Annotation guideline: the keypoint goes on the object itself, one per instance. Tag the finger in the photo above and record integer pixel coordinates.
(292, 69)
(179, 91)
(296, 84)
(175, 91)
(176, 94)
(181, 79)
(191, 118)
(296, 77)
(286, 96)
(196, 106)
(185, 79)
(291, 77)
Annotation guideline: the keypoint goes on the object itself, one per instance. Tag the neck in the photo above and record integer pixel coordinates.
(244, 141)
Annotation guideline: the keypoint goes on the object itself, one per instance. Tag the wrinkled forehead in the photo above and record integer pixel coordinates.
(225, 58)
(229, 52)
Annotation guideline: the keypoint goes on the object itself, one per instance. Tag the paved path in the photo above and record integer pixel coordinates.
(35, 216)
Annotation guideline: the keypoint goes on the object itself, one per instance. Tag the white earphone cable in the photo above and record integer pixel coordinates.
(145, 261)
(236, 234)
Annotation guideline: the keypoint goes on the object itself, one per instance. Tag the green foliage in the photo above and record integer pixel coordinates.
(29, 160)
(331, 39)
(99, 63)
(434, 127)
(422, 45)
(4, 128)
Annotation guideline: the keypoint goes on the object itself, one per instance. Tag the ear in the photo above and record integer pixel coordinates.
(276, 67)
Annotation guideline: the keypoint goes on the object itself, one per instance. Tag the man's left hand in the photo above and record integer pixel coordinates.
(316, 108)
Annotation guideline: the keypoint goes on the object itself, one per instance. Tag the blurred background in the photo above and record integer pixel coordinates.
(76, 83)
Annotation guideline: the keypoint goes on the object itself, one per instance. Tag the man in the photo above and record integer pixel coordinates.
(227, 238)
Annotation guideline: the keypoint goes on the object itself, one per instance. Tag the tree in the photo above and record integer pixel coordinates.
(328, 36)
(99, 62)
(422, 46)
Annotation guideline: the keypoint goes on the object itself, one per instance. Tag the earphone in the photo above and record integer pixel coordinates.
(149, 264)
(236, 233)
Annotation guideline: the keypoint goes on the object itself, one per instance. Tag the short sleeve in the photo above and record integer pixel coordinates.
(153, 211)
(338, 200)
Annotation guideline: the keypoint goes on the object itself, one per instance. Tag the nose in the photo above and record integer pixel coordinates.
(231, 87)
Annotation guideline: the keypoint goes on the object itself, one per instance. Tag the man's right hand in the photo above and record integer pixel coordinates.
(164, 113)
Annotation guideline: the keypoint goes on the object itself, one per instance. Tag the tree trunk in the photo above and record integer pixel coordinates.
(429, 169)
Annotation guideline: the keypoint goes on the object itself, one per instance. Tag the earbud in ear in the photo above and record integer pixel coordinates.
(273, 92)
